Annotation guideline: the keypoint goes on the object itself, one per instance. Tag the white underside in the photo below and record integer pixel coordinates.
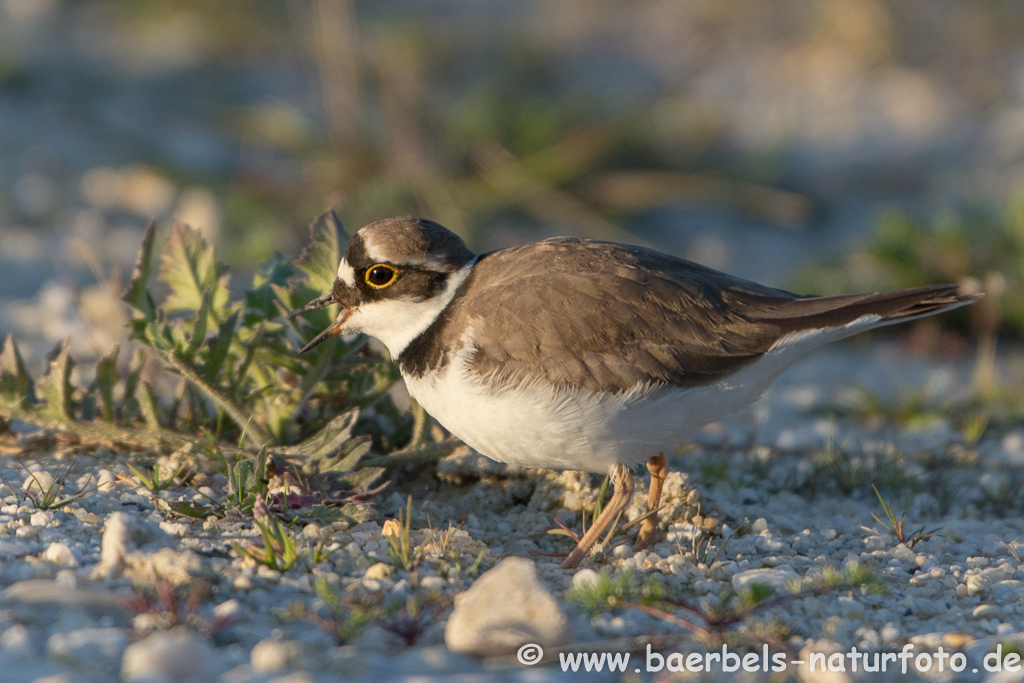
(537, 426)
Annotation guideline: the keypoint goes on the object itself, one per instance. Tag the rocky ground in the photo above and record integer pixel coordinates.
(115, 587)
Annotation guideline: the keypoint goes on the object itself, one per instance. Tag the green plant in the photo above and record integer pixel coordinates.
(895, 526)
(610, 591)
(711, 625)
(700, 547)
(342, 614)
(48, 497)
(152, 480)
(210, 368)
(279, 547)
(398, 536)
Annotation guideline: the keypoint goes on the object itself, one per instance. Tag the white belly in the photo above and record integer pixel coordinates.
(537, 426)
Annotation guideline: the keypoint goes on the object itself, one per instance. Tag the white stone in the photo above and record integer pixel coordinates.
(759, 525)
(622, 551)
(9, 549)
(776, 577)
(93, 649)
(16, 645)
(38, 482)
(873, 543)
(378, 571)
(433, 584)
(766, 544)
(41, 518)
(229, 609)
(106, 480)
(505, 608)
(584, 577)
(176, 529)
(904, 554)
(850, 608)
(976, 584)
(123, 534)
(60, 554)
(987, 612)
(176, 656)
(269, 655)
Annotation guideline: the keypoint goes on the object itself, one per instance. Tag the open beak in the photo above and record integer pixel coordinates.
(335, 327)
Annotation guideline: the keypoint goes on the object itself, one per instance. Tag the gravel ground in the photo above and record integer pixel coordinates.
(114, 587)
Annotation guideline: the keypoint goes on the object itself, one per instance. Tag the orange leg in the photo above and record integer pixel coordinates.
(623, 482)
(658, 468)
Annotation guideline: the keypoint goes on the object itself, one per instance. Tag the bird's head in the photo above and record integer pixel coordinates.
(395, 278)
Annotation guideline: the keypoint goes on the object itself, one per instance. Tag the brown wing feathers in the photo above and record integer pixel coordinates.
(834, 311)
(604, 317)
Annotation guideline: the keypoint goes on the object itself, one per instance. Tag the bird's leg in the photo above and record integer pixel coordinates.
(658, 468)
(623, 482)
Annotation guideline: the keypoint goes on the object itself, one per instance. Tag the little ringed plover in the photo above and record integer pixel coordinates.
(578, 354)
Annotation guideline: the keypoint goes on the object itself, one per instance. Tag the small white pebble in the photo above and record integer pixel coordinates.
(41, 518)
(622, 551)
(60, 554)
(176, 529)
(434, 584)
(38, 482)
(271, 655)
(229, 609)
(168, 656)
(584, 577)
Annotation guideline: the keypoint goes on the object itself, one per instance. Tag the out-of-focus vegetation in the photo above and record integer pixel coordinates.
(983, 249)
(210, 370)
(245, 119)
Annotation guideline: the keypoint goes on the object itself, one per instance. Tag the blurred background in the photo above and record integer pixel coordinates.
(821, 145)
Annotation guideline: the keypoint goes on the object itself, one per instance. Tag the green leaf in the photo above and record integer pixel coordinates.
(219, 347)
(255, 433)
(199, 329)
(138, 296)
(320, 259)
(328, 440)
(57, 385)
(148, 406)
(243, 369)
(106, 378)
(191, 510)
(260, 301)
(347, 460)
(190, 267)
(14, 380)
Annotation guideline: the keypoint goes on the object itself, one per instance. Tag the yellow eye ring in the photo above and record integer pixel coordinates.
(381, 275)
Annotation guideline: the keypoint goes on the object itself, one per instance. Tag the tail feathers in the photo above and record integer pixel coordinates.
(887, 308)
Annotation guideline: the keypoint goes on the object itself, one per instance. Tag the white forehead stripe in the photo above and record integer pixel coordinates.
(370, 248)
(346, 274)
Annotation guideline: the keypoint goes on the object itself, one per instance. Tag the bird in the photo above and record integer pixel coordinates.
(580, 354)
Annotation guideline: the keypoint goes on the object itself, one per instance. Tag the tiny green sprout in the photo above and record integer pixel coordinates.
(895, 526)
(279, 547)
(48, 498)
(320, 553)
(604, 593)
(973, 426)
(757, 593)
(151, 478)
(345, 615)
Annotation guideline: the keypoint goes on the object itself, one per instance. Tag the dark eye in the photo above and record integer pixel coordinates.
(381, 275)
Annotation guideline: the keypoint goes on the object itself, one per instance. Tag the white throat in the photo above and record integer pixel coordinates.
(397, 322)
